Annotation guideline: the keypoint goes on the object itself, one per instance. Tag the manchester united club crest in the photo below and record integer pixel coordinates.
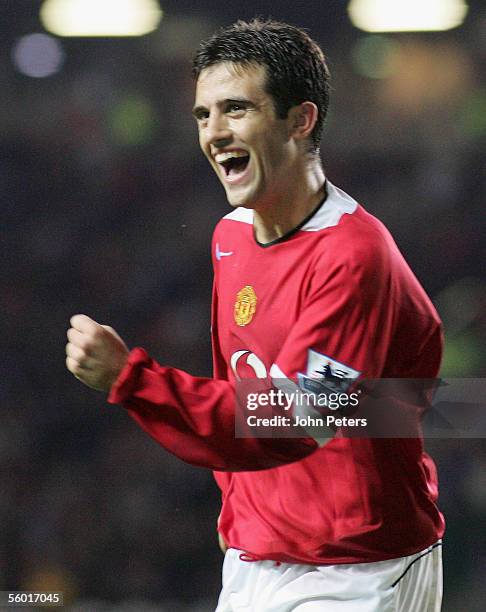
(245, 306)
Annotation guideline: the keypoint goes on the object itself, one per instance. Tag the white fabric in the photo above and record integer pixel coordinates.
(337, 204)
(264, 586)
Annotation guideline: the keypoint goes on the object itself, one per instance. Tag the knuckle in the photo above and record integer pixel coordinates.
(75, 353)
(85, 346)
(71, 365)
(96, 333)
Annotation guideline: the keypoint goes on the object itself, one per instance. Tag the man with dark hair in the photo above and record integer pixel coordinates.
(295, 70)
(310, 290)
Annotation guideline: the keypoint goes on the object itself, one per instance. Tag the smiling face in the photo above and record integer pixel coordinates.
(249, 148)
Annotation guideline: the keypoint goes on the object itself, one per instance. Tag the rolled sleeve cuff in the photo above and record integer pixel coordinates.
(126, 383)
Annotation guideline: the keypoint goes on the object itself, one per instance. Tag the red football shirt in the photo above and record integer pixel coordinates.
(334, 293)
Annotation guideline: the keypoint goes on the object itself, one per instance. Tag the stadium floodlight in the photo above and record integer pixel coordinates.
(406, 15)
(100, 17)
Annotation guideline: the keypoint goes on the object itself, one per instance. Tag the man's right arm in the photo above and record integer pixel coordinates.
(194, 418)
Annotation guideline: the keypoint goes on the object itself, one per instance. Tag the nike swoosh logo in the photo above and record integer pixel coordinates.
(220, 253)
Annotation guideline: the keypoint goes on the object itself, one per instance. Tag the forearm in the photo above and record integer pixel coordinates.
(194, 418)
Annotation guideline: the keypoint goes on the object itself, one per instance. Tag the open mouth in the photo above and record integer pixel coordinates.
(234, 163)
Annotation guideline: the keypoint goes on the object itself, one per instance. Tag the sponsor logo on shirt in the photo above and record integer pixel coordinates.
(325, 374)
(242, 360)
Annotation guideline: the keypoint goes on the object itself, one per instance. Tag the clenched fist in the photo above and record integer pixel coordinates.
(95, 353)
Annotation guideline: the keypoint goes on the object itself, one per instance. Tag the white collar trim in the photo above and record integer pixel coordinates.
(337, 204)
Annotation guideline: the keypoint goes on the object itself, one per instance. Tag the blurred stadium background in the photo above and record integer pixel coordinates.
(107, 208)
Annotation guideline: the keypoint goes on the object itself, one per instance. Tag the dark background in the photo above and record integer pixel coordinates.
(107, 209)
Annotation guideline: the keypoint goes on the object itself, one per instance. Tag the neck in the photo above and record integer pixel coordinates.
(298, 198)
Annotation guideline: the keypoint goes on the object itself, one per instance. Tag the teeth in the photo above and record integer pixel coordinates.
(222, 157)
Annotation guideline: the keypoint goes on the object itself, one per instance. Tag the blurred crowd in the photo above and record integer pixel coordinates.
(108, 208)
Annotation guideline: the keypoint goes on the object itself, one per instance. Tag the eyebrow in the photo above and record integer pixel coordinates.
(242, 101)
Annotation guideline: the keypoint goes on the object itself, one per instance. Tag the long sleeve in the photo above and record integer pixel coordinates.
(194, 418)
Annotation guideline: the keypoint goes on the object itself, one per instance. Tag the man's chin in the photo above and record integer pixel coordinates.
(240, 200)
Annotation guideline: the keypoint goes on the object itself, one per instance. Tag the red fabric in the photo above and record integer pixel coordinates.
(343, 290)
(194, 418)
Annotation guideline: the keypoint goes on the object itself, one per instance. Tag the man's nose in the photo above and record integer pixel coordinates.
(219, 133)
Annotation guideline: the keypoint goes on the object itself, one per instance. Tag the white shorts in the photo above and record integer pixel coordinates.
(406, 584)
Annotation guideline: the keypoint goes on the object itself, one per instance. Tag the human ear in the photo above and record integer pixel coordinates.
(302, 119)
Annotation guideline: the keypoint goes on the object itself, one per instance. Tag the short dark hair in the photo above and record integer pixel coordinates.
(296, 69)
